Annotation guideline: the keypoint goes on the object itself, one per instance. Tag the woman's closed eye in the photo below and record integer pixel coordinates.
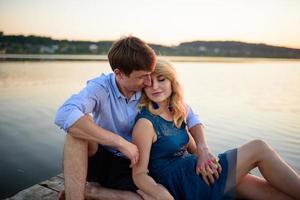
(161, 78)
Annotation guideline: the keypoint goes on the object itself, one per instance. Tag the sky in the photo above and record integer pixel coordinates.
(167, 22)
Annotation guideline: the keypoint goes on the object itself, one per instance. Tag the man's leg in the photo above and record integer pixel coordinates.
(110, 171)
(99, 166)
(75, 167)
(76, 153)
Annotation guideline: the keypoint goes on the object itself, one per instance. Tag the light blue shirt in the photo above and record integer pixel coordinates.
(111, 110)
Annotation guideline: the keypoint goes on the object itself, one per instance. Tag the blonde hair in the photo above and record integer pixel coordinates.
(178, 107)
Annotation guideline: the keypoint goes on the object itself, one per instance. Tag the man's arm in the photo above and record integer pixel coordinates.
(73, 117)
(207, 164)
(86, 129)
(195, 127)
(198, 134)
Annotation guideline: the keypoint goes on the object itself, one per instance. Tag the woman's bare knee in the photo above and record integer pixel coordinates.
(248, 157)
(253, 148)
(258, 146)
(258, 143)
(262, 149)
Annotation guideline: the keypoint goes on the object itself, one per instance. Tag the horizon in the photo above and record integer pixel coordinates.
(167, 23)
(153, 43)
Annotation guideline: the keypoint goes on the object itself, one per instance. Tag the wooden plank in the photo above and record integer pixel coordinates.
(60, 175)
(46, 190)
(36, 192)
(55, 183)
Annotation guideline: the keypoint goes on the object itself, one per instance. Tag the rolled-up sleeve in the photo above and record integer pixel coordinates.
(78, 105)
(192, 118)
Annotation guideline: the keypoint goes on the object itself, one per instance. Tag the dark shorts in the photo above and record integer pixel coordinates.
(110, 170)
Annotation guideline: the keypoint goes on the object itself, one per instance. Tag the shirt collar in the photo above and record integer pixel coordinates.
(115, 87)
(135, 96)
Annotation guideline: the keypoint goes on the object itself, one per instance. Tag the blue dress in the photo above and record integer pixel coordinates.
(172, 166)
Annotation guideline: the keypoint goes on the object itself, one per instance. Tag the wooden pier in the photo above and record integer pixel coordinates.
(46, 190)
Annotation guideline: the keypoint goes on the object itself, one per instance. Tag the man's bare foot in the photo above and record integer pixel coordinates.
(95, 191)
(91, 190)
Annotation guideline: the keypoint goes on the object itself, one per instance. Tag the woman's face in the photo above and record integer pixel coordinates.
(160, 89)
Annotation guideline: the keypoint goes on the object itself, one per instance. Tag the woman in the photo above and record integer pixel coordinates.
(165, 148)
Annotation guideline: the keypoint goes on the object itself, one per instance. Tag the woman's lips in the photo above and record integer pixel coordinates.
(156, 94)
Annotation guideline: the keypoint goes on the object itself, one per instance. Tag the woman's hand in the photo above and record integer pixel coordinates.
(207, 165)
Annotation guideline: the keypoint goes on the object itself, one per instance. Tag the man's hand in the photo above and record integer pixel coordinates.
(208, 166)
(130, 151)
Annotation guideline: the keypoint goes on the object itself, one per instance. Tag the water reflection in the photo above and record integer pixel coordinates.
(237, 101)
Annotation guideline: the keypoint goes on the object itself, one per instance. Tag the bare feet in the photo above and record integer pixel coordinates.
(95, 191)
(92, 190)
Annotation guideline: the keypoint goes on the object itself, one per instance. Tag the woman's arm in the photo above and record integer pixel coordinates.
(143, 136)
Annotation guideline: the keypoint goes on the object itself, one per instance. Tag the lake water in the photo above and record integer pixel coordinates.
(238, 101)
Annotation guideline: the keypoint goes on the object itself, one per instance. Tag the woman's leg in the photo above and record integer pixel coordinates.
(253, 187)
(277, 172)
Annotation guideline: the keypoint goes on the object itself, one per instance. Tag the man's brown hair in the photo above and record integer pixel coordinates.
(131, 53)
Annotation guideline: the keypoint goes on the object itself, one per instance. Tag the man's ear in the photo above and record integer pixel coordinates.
(118, 73)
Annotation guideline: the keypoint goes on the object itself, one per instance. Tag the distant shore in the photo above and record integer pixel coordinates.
(65, 57)
(20, 44)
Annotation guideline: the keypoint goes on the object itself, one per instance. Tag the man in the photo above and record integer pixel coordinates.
(112, 99)
(99, 150)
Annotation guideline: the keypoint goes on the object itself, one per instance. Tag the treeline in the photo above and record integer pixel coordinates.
(19, 44)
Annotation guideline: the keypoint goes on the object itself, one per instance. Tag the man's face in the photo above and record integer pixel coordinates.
(136, 80)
